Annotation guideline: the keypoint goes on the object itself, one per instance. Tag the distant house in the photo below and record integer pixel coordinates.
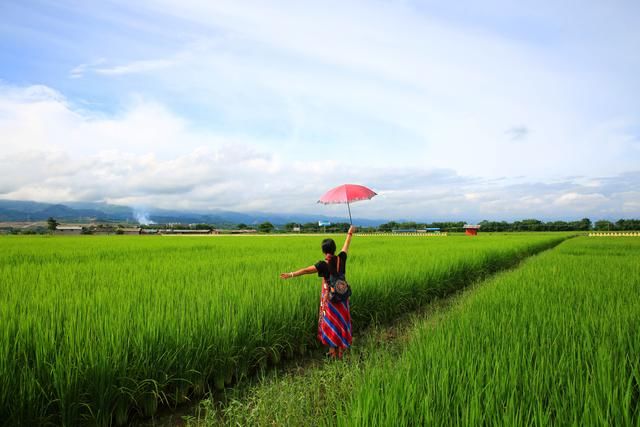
(187, 231)
(68, 229)
(245, 231)
(132, 230)
(471, 230)
(148, 231)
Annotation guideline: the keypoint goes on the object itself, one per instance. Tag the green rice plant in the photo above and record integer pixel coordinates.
(555, 342)
(98, 330)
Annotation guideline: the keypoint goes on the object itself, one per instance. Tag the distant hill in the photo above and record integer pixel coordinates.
(17, 210)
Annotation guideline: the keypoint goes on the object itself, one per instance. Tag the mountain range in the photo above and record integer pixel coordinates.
(17, 210)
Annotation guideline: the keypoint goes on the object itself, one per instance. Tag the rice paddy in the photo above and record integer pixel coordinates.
(555, 342)
(100, 330)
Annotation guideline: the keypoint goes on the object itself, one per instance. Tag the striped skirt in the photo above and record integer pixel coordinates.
(334, 323)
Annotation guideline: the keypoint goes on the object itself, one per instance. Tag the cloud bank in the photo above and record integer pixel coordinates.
(146, 155)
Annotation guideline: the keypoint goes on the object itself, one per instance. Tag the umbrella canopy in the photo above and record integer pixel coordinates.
(347, 193)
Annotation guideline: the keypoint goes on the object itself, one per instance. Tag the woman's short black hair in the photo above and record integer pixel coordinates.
(328, 246)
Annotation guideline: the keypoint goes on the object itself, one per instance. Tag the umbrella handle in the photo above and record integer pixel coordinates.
(348, 207)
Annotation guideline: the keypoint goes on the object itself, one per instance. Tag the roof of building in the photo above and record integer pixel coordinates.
(188, 231)
(68, 227)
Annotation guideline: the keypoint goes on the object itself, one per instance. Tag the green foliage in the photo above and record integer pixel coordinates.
(628, 224)
(536, 225)
(266, 227)
(201, 227)
(310, 227)
(52, 224)
(604, 225)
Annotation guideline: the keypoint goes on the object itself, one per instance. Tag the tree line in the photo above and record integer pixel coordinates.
(584, 224)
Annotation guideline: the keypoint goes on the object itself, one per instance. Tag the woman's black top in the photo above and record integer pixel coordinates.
(323, 267)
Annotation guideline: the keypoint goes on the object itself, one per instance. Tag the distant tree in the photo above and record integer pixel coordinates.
(628, 224)
(531, 225)
(389, 226)
(410, 225)
(583, 225)
(449, 226)
(266, 227)
(341, 227)
(558, 226)
(203, 227)
(242, 226)
(290, 226)
(52, 224)
(604, 225)
(310, 227)
(488, 226)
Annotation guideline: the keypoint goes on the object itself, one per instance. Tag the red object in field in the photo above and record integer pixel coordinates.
(347, 193)
(471, 230)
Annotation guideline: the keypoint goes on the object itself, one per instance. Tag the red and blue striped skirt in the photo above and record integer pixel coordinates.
(334, 323)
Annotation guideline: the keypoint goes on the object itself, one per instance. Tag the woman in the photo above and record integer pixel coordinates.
(334, 323)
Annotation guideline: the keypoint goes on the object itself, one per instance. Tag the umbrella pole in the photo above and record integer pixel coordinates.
(348, 207)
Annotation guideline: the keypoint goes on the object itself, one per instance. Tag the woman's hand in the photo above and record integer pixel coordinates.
(352, 229)
(302, 272)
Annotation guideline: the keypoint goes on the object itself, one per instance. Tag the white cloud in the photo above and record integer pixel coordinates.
(378, 83)
(382, 83)
(146, 155)
(134, 67)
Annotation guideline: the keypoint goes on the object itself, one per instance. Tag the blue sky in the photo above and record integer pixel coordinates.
(468, 110)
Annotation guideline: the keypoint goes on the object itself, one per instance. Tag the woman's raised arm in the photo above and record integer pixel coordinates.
(347, 241)
(308, 270)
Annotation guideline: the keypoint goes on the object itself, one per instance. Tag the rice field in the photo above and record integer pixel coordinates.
(554, 342)
(97, 330)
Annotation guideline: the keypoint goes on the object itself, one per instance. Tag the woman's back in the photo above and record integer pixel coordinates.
(335, 264)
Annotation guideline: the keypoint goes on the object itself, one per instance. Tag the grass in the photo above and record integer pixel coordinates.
(305, 392)
(98, 330)
(555, 342)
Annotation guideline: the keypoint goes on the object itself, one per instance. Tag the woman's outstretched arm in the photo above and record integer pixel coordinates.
(309, 270)
(347, 241)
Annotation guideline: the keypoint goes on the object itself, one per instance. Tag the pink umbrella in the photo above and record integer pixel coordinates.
(347, 193)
